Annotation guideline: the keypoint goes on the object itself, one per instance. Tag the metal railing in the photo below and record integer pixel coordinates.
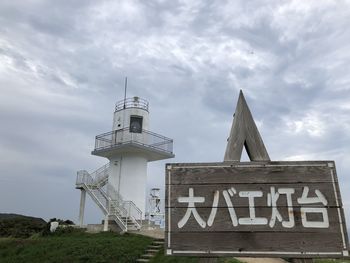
(128, 208)
(85, 180)
(135, 102)
(134, 213)
(98, 177)
(124, 136)
(125, 213)
(102, 200)
(83, 177)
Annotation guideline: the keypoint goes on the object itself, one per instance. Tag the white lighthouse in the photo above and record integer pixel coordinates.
(119, 187)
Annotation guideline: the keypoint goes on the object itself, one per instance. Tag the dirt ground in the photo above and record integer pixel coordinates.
(262, 260)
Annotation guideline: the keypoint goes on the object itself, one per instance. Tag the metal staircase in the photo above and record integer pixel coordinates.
(125, 213)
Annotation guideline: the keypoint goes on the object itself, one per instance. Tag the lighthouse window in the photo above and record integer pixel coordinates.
(136, 124)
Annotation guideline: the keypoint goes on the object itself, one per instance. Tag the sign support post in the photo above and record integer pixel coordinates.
(245, 133)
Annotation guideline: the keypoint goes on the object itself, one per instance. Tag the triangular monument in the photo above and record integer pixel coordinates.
(245, 133)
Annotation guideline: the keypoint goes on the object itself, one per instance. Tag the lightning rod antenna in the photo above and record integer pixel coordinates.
(126, 85)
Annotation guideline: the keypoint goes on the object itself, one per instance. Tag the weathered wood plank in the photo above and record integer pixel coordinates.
(255, 163)
(245, 133)
(342, 216)
(208, 191)
(305, 174)
(241, 243)
(207, 179)
(223, 223)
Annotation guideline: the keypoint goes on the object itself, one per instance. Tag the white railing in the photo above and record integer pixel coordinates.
(85, 180)
(83, 177)
(135, 213)
(101, 174)
(98, 177)
(135, 102)
(125, 213)
(129, 208)
(123, 136)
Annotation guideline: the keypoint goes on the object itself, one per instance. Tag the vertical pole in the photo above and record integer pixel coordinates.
(141, 219)
(105, 225)
(82, 207)
(119, 178)
(127, 219)
(126, 85)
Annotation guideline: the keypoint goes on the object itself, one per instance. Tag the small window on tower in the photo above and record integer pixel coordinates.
(136, 124)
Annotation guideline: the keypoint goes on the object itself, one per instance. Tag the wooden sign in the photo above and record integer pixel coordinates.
(258, 208)
(274, 209)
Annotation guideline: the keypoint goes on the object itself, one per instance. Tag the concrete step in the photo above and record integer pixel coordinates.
(132, 228)
(155, 246)
(152, 250)
(149, 251)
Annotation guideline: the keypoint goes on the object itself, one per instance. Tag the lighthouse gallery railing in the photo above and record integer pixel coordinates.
(124, 136)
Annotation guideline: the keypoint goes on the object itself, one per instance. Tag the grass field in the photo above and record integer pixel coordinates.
(74, 247)
(77, 246)
(82, 247)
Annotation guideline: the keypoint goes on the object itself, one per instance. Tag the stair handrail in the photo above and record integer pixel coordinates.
(132, 211)
(116, 199)
(114, 204)
(115, 210)
(133, 208)
(86, 180)
(83, 177)
(101, 174)
(95, 178)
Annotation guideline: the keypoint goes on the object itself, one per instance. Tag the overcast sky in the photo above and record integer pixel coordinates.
(63, 63)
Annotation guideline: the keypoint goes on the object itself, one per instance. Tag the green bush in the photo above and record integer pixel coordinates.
(20, 227)
(67, 230)
(62, 222)
(65, 226)
(74, 247)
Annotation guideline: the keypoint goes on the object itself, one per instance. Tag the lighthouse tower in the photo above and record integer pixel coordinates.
(119, 187)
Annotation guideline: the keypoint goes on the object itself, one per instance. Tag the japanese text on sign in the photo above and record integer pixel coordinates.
(304, 201)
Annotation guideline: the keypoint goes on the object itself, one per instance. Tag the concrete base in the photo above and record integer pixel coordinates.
(97, 228)
(146, 230)
(112, 226)
(94, 228)
(150, 230)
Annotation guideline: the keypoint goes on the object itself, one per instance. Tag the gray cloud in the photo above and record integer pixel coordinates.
(62, 65)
